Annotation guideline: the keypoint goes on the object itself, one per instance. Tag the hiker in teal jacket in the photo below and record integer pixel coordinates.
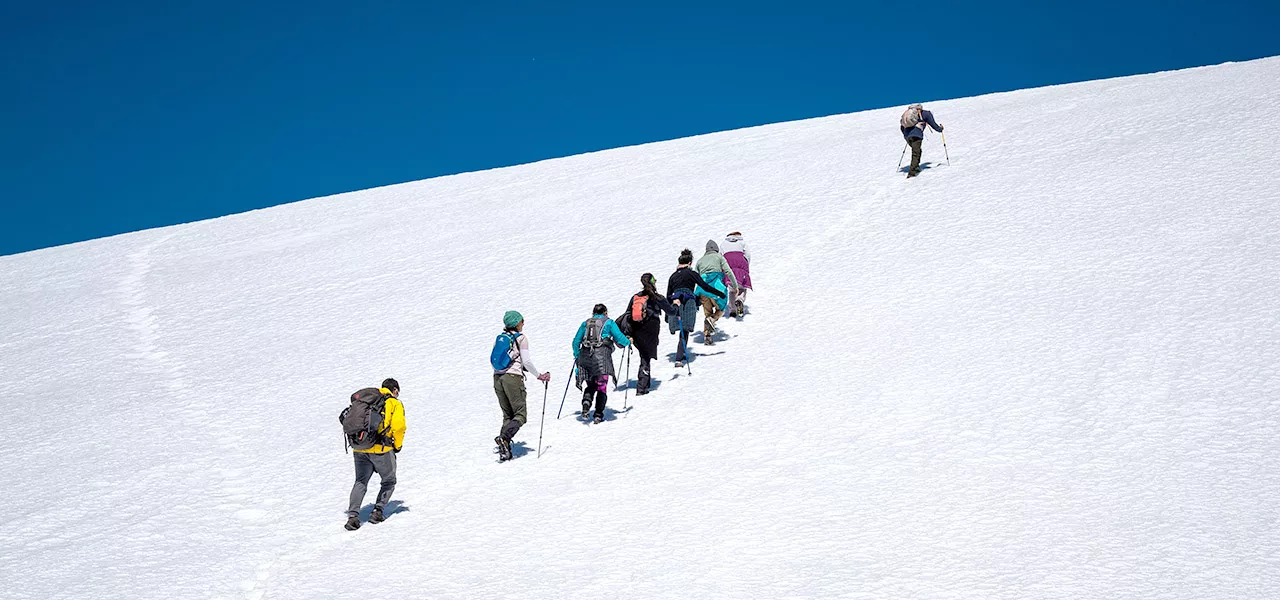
(716, 272)
(593, 350)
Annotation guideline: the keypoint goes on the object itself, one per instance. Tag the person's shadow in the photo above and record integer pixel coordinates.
(923, 166)
(393, 507)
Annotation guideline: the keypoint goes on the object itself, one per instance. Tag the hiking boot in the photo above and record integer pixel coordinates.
(598, 419)
(708, 341)
(738, 309)
(586, 408)
(377, 516)
(504, 449)
(679, 364)
(353, 523)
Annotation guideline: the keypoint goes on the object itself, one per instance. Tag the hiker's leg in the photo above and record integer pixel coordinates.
(364, 470)
(385, 465)
(916, 144)
(643, 377)
(602, 384)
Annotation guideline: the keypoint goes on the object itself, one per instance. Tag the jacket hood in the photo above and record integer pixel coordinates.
(712, 246)
(733, 238)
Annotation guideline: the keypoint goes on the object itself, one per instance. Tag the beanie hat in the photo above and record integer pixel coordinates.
(712, 247)
(511, 319)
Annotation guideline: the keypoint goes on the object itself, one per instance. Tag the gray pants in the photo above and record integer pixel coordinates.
(366, 465)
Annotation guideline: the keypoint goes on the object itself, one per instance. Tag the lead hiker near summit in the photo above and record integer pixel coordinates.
(593, 351)
(912, 126)
(374, 428)
(510, 359)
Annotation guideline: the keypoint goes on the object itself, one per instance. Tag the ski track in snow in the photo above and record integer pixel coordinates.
(1046, 370)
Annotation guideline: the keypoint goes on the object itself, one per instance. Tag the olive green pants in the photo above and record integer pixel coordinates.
(511, 394)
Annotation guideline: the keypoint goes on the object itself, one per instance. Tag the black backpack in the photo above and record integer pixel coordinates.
(362, 421)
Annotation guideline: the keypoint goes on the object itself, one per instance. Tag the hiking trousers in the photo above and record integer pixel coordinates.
(366, 465)
(511, 399)
(712, 312)
(596, 389)
(915, 144)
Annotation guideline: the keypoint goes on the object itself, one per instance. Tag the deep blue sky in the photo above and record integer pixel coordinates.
(118, 116)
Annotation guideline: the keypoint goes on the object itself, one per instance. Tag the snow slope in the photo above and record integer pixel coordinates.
(1045, 370)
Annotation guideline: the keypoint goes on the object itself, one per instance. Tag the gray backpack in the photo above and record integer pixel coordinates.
(912, 117)
(362, 421)
(594, 337)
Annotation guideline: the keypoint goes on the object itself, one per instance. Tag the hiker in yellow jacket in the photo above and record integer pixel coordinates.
(380, 459)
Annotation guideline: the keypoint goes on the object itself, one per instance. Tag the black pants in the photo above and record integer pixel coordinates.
(643, 377)
(596, 389)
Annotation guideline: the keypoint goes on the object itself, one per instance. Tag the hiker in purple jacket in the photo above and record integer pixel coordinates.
(912, 126)
(735, 252)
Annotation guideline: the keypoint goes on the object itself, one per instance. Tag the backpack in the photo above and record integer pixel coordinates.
(362, 421)
(594, 337)
(639, 308)
(912, 117)
(506, 349)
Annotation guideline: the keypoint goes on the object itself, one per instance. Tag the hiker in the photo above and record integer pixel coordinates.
(735, 252)
(912, 125)
(377, 455)
(680, 291)
(715, 271)
(593, 351)
(510, 359)
(641, 322)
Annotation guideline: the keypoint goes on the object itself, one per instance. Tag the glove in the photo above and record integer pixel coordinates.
(397, 450)
(545, 377)
(578, 383)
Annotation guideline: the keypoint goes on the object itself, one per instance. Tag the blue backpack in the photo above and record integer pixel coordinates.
(505, 350)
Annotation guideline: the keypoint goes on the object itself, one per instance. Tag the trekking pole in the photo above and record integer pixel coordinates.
(543, 420)
(901, 156)
(566, 388)
(944, 149)
(628, 373)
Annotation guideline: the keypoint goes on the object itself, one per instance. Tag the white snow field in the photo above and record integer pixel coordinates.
(1048, 369)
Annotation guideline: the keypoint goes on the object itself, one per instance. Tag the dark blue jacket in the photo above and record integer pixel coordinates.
(918, 130)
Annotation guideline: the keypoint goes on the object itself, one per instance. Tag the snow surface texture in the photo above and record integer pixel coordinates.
(1046, 370)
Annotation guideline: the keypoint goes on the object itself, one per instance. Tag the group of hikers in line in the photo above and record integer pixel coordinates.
(374, 424)
(717, 283)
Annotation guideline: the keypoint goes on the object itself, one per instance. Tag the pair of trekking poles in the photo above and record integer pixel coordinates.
(944, 152)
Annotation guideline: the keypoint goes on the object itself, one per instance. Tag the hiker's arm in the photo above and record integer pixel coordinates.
(398, 426)
(526, 359)
(928, 118)
(710, 290)
(614, 332)
(577, 339)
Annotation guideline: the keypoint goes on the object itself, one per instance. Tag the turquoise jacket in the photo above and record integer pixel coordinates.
(611, 332)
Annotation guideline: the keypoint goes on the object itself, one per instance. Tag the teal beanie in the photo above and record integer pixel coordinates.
(511, 319)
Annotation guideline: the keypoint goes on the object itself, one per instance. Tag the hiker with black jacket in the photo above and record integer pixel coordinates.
(642, 320)
(680, 287)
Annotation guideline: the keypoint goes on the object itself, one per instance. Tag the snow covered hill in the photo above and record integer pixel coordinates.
(1047, 369)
